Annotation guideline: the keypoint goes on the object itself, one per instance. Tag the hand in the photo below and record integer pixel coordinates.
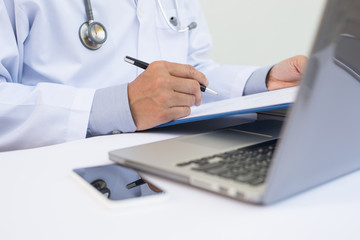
(286, 73)
(164, 92)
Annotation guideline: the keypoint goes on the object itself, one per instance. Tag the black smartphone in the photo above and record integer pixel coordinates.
(116, 183)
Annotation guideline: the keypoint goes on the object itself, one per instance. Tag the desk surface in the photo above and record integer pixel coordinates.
(41, 200)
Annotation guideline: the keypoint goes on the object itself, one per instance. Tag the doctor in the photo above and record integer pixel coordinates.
(62, 80)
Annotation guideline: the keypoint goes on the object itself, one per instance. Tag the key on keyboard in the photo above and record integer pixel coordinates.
(247, 165)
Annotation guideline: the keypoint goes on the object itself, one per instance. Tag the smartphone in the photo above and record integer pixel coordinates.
(117, 184)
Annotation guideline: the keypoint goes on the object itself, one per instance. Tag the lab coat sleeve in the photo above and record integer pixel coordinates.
(228, 80)
(111, 111)
(257, 81)
(32, 116)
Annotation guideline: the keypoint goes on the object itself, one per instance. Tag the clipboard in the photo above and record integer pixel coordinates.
(266, 101)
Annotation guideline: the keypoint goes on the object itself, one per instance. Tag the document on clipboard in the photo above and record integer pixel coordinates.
(266, 101)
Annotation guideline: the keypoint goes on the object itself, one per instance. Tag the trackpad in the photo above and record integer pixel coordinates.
(225, 139)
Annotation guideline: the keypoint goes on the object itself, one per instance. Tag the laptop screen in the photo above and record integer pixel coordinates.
(321, 136)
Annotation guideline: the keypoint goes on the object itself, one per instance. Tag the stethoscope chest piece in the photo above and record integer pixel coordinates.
(92, 35)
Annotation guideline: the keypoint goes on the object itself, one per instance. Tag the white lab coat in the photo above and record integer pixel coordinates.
(48, 78)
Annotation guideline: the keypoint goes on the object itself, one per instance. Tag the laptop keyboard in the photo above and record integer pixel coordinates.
(247, 165)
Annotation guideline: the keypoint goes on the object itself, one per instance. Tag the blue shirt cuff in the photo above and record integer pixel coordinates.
(257, 81)
(110, 111)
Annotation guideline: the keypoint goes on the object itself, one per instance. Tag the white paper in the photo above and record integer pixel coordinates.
(239, 104)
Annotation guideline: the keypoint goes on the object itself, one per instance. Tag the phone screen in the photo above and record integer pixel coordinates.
(116, 182)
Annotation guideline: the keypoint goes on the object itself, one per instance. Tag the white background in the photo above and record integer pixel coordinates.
(261, 32)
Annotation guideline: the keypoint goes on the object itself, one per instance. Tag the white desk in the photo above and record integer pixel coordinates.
(41, 200)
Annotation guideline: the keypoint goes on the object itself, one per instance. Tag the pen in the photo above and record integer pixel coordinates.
(144, 65)
(135, 183)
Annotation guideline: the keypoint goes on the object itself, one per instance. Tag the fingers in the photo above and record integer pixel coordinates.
(177, 112)
(170, 99)
(164, 92)
(180, 78)
(295, 67)
(300, 62)
(183, 71)
(278, 84)
(188, 87)
(147, 113)
(176, 99)
(286, 73)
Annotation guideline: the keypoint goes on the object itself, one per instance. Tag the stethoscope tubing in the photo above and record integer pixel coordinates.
(88, 31)
(89, 12)
(177, 29)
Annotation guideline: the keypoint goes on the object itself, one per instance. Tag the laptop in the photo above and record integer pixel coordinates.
(263, 162)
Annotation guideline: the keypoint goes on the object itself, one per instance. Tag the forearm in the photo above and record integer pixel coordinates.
(45, 114)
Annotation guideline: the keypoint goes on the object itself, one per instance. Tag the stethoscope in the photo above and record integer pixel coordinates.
(174, 22)
(93, 34)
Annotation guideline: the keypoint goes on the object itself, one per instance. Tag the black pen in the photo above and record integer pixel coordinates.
(144, 65)
(135, 183)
